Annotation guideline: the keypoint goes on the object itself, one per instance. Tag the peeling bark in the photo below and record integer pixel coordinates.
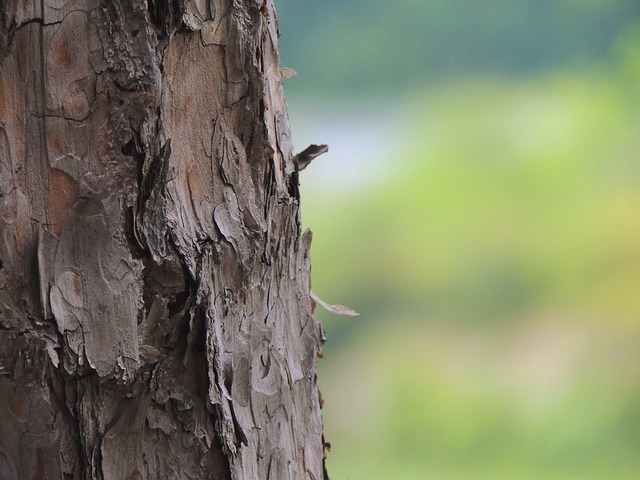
(154, 280)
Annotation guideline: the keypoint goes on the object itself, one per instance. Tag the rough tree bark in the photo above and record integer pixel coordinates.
(154, 281)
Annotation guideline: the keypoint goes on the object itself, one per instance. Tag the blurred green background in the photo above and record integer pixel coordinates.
(479, 207)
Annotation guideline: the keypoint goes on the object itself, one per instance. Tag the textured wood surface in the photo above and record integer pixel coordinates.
(154, 281)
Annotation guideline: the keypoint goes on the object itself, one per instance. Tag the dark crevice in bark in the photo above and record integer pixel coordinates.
(156, 170)
(164, 14)
(180, 301)
(133, 149)
(132, 89)
(294, 186)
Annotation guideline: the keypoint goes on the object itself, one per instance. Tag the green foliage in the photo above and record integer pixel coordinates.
(497, 270)
(497, 266)
(516, 196)
(528, 402)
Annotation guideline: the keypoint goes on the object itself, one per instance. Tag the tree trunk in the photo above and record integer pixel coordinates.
(154, 282)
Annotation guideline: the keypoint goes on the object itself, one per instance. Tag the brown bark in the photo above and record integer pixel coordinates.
(154, 281)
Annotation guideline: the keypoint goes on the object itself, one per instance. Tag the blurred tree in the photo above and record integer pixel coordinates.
(154, 282)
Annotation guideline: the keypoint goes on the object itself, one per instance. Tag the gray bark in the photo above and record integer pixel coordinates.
(154, 281)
